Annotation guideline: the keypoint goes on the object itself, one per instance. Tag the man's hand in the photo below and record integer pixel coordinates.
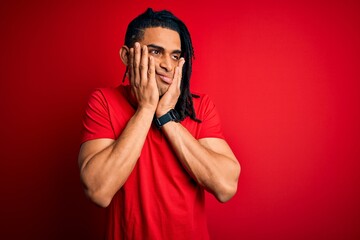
(142, 78)
(170, 98)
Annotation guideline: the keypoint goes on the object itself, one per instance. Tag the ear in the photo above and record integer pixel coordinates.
(124, 54)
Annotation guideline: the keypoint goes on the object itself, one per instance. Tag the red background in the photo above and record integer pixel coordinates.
(284, 76)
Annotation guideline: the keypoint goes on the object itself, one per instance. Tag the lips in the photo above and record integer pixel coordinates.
(165, 79)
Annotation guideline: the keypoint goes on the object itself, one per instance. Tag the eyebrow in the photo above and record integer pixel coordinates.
(162, 49)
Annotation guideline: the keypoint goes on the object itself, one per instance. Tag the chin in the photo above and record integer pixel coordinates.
(162, 87)
(161, 94)
(162, 90)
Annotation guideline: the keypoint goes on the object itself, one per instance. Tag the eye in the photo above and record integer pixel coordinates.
(154, 51)
(176, 56)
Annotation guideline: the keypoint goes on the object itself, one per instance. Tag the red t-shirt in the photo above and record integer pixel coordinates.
(159, 200)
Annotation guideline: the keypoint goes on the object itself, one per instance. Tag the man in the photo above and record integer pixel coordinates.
(149, 149)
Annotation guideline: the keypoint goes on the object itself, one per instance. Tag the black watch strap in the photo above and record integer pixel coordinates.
(171, 115)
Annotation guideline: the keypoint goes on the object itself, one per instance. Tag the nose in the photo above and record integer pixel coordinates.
(166, 63)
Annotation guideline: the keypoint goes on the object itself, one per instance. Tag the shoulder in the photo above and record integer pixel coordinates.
(203, 105)
(206, 112)
(105, 95)
(201, 101)
(200, 98)
(107, 92)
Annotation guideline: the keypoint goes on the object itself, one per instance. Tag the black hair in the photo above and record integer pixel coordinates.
(165, 19)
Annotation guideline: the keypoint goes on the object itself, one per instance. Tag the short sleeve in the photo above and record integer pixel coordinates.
(96, 121)
(210, 125)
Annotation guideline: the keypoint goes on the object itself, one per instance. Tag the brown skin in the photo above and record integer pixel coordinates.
(106, 163)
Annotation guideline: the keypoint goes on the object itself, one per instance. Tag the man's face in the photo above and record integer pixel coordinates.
(165, 46)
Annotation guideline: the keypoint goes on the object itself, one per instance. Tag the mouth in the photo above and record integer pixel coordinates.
(165, 79)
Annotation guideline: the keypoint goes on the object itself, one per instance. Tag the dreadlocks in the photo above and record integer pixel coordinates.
(166, 19)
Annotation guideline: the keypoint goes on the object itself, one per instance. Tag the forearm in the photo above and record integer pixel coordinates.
(218, 173)
(104, 173)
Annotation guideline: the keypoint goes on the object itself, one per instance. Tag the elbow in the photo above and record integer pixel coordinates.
(97, 192)
(100, 199)
(229, 188)
(226, 194)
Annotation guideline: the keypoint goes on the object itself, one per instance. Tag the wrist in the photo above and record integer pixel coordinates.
(145, 111)
(171, 115)
(161, 112)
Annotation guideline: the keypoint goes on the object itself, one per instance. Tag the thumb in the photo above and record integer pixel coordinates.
(178, 72)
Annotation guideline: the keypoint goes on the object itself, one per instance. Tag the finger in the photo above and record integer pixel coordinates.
(178, 73)
(144, 65)
(137, 53)
(131, 66)
(175, 81)
(151, 70)
(180, 68)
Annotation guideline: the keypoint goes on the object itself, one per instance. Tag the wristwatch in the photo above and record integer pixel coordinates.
(171, 115)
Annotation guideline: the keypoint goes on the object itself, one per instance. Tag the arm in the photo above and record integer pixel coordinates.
(209, 161)
(105, 164)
